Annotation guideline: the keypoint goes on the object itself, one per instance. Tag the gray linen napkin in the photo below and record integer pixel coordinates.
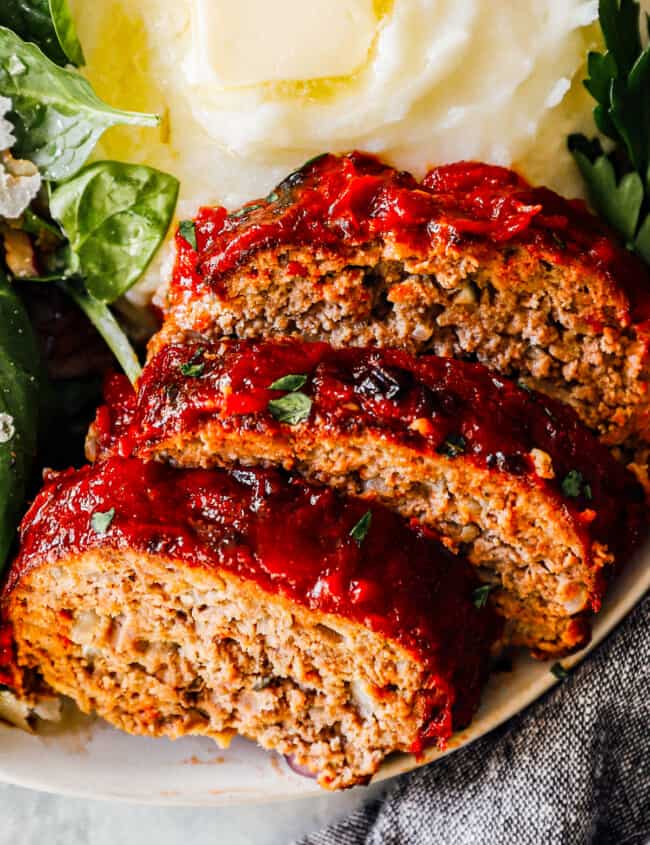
(572, 768)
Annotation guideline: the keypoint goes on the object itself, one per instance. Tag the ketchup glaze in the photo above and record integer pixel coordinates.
(294, 540)
(428, 403)
(344, 201)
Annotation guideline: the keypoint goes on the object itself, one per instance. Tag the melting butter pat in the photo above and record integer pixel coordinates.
(248, 42)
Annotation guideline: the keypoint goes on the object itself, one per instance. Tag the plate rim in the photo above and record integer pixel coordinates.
(626, 591)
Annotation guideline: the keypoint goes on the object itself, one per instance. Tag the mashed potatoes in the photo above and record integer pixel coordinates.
(433, 81)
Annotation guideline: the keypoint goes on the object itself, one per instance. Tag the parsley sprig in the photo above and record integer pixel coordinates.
(481, 595)
(574, 485)
(360, 530)
(195, 366)
(101, 521)
(453, 445)
(294, 407)
(618, 180)
(187, 230)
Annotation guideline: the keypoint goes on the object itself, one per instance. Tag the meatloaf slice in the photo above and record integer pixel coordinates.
(471, 263)
(510, 477)
(200, 602)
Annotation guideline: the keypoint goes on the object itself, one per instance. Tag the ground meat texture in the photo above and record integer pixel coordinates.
(471, 263)
(178, 602)
(509, 477)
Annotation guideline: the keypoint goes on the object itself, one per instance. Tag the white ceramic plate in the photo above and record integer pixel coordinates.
(87, 758)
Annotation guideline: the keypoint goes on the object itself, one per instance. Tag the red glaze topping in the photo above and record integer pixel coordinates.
(352, 199)
(292, 539)
(6, 655)
(430, 404)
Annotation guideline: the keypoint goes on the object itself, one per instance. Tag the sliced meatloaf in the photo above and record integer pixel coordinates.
(471, 263)
(510, 477)
(200, 602)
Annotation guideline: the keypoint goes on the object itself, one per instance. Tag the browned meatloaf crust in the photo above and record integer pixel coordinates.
(510, 477)
(470, 263)
(200, 602)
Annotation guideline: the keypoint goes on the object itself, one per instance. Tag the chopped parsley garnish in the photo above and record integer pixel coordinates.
(292, 382)
(187, 230)
(195, 366)
(273, 197)
(559, 671)
(313, 160)
(101, 521)
(247, 209)
(293, 408)
(453, 446)
(560, 243)
(619, 82)
(574, 485)
(192, 370)
(360, 530)
(481, 594)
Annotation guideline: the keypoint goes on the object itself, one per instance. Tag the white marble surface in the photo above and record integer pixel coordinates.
(36, 818)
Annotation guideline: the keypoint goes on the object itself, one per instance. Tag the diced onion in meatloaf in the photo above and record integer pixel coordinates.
(200, 602)
(509, 477)
(471, 263)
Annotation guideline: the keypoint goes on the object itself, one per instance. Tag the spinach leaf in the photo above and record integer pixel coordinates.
(66, 32)
(57, 116)
(47, 23)
(115, 216)
(103, 320)
(19, 403)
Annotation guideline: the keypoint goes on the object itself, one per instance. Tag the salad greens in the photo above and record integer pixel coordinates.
(115, 216)
(96, 226)
(57, 117)
(47, 23)
(618, 180)
(101, 316)
(66, 31)
(112, 216)
(19, 403)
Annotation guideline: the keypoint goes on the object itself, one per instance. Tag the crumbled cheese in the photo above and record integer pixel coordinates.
(7, 139)
(19, 184)
(7, 428)
(19, 180)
